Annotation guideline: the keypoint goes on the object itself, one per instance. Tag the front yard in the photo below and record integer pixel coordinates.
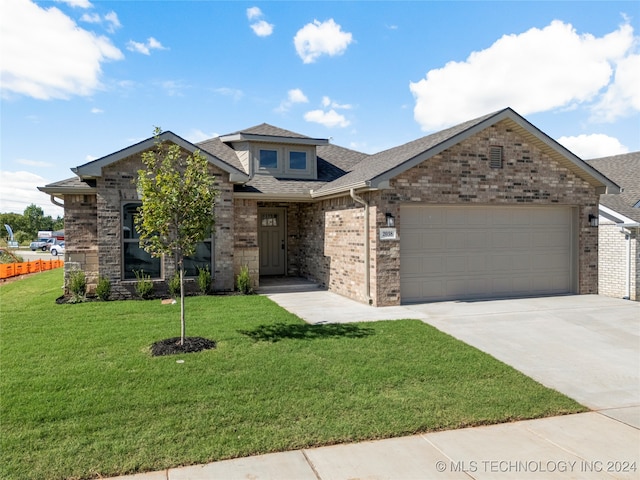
(81, 396)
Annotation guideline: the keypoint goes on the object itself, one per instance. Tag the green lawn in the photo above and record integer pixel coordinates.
(81, 397)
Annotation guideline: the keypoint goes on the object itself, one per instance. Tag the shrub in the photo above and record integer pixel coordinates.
(77, 286)
(244, 281)
(103, 290)
(174, 285)
(144, 285)
(204, 280)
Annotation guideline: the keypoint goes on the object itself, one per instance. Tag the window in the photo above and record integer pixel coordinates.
(297, 160)
(269, 219)
(202, 258)
(495, 157)
(269, 159)
(134, 258)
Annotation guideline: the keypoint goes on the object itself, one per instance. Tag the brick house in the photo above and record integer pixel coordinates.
(489, 208)
(619, 229)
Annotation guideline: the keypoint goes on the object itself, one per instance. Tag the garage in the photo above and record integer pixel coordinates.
(474, 252)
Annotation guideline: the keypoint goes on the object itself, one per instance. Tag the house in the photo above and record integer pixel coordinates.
(489, 208)
(619, 236)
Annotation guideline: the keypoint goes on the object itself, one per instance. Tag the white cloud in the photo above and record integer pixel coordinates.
(327, 102)
(77, 3)
(254, 13)
(173, 88)
(321, 38)
(593, 146)
(328, 119)
(46, 55)
(294, 96)
(259, 26)
(538, 70)
(111, 19)
(195, 136)
(622, 98)
(234, 93)
(19, 190)
(145, 48)
(91, 18)
(262, 28)
(97, 110)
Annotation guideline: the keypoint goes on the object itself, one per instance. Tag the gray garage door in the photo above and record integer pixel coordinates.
(451, 252)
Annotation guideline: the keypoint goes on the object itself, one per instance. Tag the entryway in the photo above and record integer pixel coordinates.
(271, 241)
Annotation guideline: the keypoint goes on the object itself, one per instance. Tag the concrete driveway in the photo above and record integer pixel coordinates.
(585, 346)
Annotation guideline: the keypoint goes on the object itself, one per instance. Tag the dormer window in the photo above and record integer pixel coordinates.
(269, 159)
(297, 160)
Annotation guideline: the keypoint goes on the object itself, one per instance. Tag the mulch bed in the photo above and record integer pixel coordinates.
(171, 346)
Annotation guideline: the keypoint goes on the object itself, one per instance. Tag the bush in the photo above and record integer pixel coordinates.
(174, 285)
(103, 290)
(244, 281)
(144, 285)
(77, 286)
(204, 280)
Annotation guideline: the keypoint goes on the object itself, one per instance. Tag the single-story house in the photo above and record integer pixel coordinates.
(619, 230)
(489, 208)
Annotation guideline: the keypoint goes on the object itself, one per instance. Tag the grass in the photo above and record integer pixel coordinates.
(81, 397)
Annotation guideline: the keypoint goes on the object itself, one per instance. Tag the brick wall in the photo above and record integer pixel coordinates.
(331, 231)
(93, 227)
(81, 233)
(462, 175)
(612, 263)
(245, 218)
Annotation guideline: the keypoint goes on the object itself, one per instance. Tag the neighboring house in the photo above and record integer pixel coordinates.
(489, 208)
(619, 230)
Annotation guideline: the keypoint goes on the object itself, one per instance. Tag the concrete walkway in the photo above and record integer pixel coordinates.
(587, 347)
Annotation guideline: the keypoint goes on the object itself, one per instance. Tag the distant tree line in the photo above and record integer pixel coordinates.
(26, 226)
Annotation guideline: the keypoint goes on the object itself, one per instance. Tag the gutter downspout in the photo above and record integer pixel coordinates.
(55, 202)
(367, 273)
(627, 237)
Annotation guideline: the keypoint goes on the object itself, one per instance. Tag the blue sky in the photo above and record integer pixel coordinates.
(82, 79)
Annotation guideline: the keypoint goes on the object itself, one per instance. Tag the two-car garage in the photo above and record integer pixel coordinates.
(471, 252)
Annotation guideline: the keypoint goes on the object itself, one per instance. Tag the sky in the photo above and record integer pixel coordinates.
(81, 79)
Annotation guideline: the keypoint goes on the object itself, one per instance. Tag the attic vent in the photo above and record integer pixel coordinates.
(495, 157)
(637, 205)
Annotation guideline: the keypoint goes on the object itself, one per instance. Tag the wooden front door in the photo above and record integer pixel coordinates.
(271, 238)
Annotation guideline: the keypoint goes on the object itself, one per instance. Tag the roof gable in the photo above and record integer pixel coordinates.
(94, 169)
(381, 167)
(268, 133)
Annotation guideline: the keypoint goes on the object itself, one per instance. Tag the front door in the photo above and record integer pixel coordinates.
(271, 238)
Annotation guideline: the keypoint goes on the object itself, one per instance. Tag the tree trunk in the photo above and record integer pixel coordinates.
(182, 325)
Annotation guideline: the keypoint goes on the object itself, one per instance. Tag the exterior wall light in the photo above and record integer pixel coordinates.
(391, 221)
(593, 220)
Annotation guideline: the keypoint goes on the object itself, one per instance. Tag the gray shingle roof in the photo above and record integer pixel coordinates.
(625, 171)
(218, 149)
(333, 163)
(393, 158)
(269, 130)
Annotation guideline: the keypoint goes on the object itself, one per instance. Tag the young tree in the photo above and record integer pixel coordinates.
(178, 198)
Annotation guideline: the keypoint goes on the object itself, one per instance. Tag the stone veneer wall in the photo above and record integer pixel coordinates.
(117, 187)
(612, 263)
(81, 231)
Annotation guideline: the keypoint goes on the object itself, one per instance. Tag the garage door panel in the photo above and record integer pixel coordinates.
(483, 252)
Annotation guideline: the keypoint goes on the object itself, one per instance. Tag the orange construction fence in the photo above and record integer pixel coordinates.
(8, 270)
